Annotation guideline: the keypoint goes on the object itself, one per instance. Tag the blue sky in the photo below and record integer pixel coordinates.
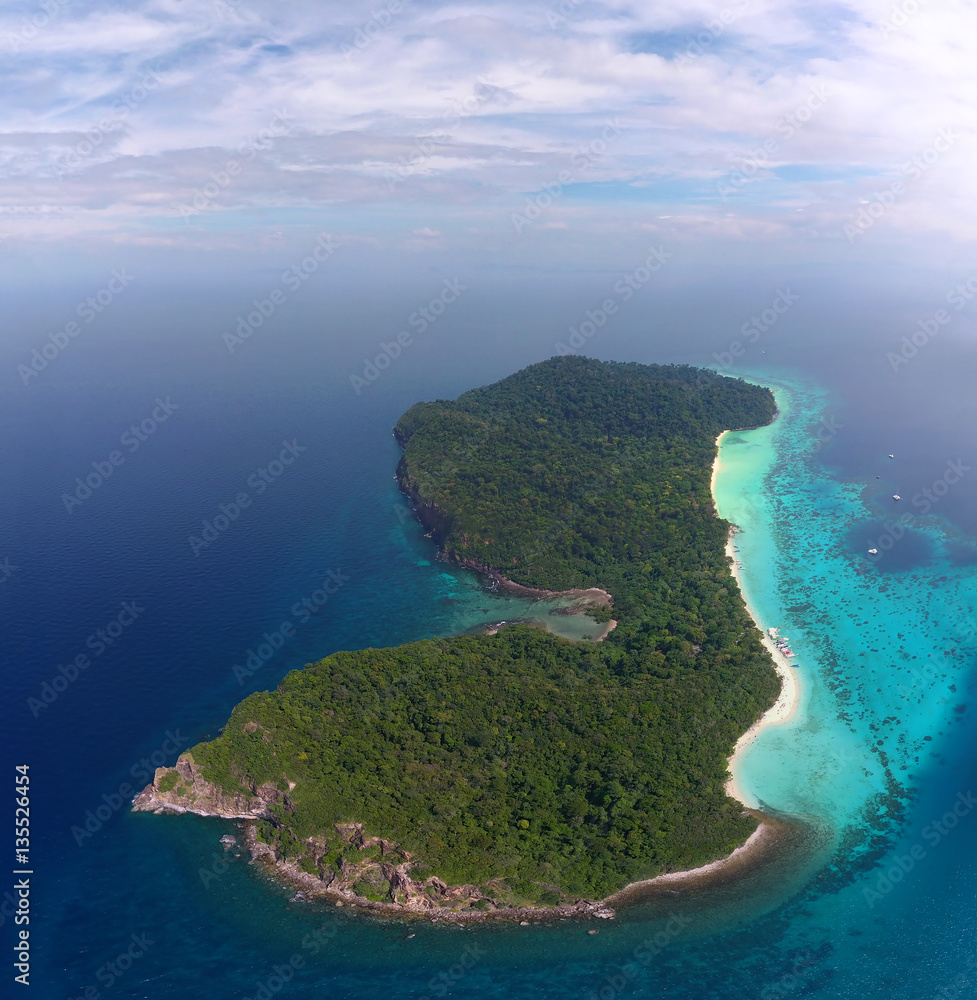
(426, 127)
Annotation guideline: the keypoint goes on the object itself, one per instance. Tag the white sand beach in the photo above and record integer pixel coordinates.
(786, 704)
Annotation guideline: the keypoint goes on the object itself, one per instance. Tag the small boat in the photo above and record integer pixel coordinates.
(873, 552)
(895, 496)
(892, 456)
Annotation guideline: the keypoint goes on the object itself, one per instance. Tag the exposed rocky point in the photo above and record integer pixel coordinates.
(183, 789)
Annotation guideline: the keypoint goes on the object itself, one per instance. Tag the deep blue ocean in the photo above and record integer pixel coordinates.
(193, 921)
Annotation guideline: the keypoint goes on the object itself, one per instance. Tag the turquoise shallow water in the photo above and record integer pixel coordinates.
(886, 646)
(883, 668)
(470, 603)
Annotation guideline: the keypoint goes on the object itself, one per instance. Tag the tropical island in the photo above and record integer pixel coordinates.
(487, 773)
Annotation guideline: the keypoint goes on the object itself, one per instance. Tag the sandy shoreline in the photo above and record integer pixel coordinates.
(593, 597)
(782, 710)
(785, 706)
(764, 845)
(713, 866)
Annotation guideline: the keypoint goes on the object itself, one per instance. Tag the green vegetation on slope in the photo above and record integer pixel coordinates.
(522, 755)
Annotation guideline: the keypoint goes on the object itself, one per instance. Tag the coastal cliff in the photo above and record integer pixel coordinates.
(377, 875)
(183, 789)
(437, 524)
(350, 866)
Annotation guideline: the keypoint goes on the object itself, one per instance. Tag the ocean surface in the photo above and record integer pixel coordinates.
(876, 772)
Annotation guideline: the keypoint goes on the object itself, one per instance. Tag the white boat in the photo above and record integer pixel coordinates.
(892, 456)
(873, 552)
(895, 496)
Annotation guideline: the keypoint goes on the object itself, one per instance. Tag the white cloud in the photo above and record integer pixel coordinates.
(466, 103)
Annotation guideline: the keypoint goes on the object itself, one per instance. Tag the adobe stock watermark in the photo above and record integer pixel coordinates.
(225, 8)
(881, 201)
(827, 429)
(293, 280)
(321, 937)
(219, 865)
(560, 14)
(132, 438)
(928, 676)
(32, 25)
(451, 462)
(624, 289)
(87, 310)
(483, 92)
(441, 984)
(73, 157)
(712, 29)
(643, 955)
(840, 763)
(419, 321)
(220, 180)
(933, 833)
(555, 534)
(924, 500)
(426, 146)
(142, 773)
(7, 569)
(280, 977)
(754, 160)
(97, 643)
(256, 484)
(901, 15)
(790, 981)
(585, 157)
(954, 987)
(925, 678)
(302, 611)
(368, 32)
(911, 344)
(407, 166)
(756, 326)
(110, 973)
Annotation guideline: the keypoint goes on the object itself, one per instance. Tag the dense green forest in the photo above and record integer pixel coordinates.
(557, 766)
